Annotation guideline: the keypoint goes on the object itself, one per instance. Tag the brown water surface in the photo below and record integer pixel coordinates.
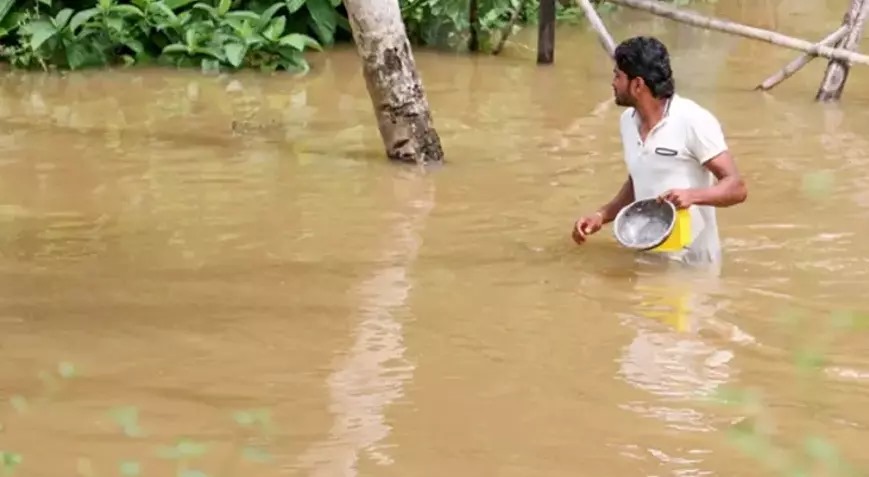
(198, 245)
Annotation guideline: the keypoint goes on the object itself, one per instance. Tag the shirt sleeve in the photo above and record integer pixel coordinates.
(705, 136)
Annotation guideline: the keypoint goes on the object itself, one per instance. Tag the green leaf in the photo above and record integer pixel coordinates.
(267, 15)
(135, 45)
(821, 449)
(192, 473)
(6, 6)
(294, 5)
(19, 403)
(174, 5)
(323, 18)
(255, 454)
(131, 469)
(175, 48)
(818, 184)
(81, 18)
(223, 7)
(76, 55)
(243, 418)
(243, 15)
(10, 460)
(190, 448)
(127, 417)
(300, 41)
(809, 359)
(46, 2)
(275, 29)
(162, 8)
(62, 18)
(128, 10)
(235, 53)
(66, 370)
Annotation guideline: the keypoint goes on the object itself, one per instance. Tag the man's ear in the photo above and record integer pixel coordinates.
(637, 85)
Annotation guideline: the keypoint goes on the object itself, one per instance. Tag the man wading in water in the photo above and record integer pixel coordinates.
(674, 149)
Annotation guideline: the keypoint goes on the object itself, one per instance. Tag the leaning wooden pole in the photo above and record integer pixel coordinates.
(400, 105)
(837, 71)
(546, 32)
(606, 40)
(683, 16)
(798, 63)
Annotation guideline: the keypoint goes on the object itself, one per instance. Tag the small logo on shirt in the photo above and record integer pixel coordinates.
(664, 151)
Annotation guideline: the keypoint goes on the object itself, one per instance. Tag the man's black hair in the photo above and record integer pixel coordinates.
(646, 57)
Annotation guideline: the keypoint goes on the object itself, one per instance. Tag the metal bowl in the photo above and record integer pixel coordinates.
(644, 224)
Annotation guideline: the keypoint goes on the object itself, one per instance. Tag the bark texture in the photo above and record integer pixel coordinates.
(663, 10)
(837, 70)
(803, 60)
(400, 105)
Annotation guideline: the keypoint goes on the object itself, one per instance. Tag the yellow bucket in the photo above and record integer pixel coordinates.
(680, 237)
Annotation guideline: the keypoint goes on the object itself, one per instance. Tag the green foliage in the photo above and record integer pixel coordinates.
(232, 34)
(211, 34)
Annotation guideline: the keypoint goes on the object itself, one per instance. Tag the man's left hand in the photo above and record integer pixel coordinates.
(681, 198)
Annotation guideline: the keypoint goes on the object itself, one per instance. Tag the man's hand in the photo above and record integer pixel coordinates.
(681, 198)
(587, 226)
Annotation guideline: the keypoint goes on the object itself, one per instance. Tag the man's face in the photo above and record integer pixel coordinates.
(622, 89)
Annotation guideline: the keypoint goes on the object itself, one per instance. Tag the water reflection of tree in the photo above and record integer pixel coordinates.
(372, 373)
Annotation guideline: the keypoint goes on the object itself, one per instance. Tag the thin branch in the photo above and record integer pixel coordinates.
(606, 40)
(803, 60)
(508, 28)
(695, 19)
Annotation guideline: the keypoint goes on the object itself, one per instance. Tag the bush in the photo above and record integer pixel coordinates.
(222, 34)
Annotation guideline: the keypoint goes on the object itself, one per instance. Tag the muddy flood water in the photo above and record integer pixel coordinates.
(196, 251)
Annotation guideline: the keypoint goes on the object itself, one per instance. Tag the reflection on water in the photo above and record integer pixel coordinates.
(198, 245)
(371, 376)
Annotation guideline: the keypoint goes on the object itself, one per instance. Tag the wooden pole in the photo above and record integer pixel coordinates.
(606, 40)
(403, 115)
(837, 71)
(803, 60)
(474, 21)
(546, 32)
(663, 10)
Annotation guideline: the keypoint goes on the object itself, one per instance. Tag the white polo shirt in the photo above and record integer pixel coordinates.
(673, 157)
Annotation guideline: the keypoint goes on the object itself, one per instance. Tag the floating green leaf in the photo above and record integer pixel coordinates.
(184, 448)
(192, 473)
(127, 417)
(255, 454)
(19, 403)
(66, 370)
(818, 184)
(131, 469)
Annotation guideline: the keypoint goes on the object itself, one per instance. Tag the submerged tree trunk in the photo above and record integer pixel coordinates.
(474, 22)
(546, 32)
(837, 70)
(400, 105)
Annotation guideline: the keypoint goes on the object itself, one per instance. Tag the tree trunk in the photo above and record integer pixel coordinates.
(606, 40)
(396, 91)
(546, 32)
(474, 22)
(695, 19)
(803, 60)
(837, 71)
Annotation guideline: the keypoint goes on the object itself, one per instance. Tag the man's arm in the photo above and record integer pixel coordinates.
(623, 197)
(730, 188)
(706, 142)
